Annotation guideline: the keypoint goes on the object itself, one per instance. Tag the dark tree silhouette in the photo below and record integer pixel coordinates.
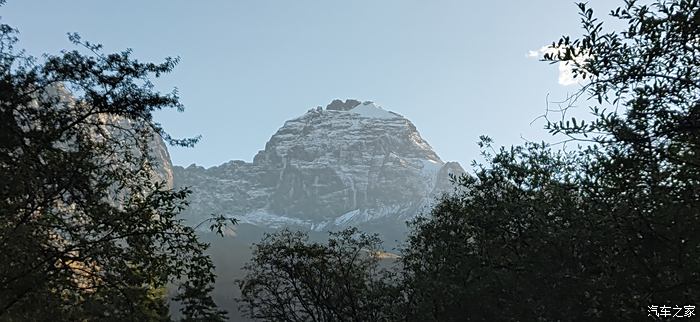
(88, 231)
(604, 231)
(293, 279)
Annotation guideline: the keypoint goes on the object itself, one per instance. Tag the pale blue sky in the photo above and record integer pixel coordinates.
(457, 69)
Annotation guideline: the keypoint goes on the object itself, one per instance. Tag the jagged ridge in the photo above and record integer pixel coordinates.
(351, 163)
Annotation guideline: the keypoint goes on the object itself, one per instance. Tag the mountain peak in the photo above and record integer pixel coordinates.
(366, 109)
(369, 109)
(338, 105)
(351, 164)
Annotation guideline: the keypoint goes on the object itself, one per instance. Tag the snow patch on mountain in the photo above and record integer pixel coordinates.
(351, 163)
(369, 109)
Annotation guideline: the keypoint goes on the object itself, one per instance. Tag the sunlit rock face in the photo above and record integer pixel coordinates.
(120, 128)
(350, 163)
(106, 126)
(164, 166)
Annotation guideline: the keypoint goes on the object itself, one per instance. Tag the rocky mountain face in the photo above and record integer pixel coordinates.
(114, 127)
(351, 163)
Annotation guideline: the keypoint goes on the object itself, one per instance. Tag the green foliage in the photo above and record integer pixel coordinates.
(88, 230)
(647, 169)
(520, 242)
(598, 233)
(292, 279)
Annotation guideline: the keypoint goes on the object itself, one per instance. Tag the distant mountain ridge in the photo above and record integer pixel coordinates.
(352, 163)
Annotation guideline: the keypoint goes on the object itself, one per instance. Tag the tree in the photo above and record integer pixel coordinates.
(88, 230)
(506, 246)
(293, 279)
(647, 166)
(600, 232)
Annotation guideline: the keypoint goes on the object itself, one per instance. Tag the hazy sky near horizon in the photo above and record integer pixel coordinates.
(457, 69)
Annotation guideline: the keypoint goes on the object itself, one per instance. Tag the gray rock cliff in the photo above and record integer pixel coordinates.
(351, 163)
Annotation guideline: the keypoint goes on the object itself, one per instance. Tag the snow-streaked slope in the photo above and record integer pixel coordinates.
(351, 163)
(371, 110)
